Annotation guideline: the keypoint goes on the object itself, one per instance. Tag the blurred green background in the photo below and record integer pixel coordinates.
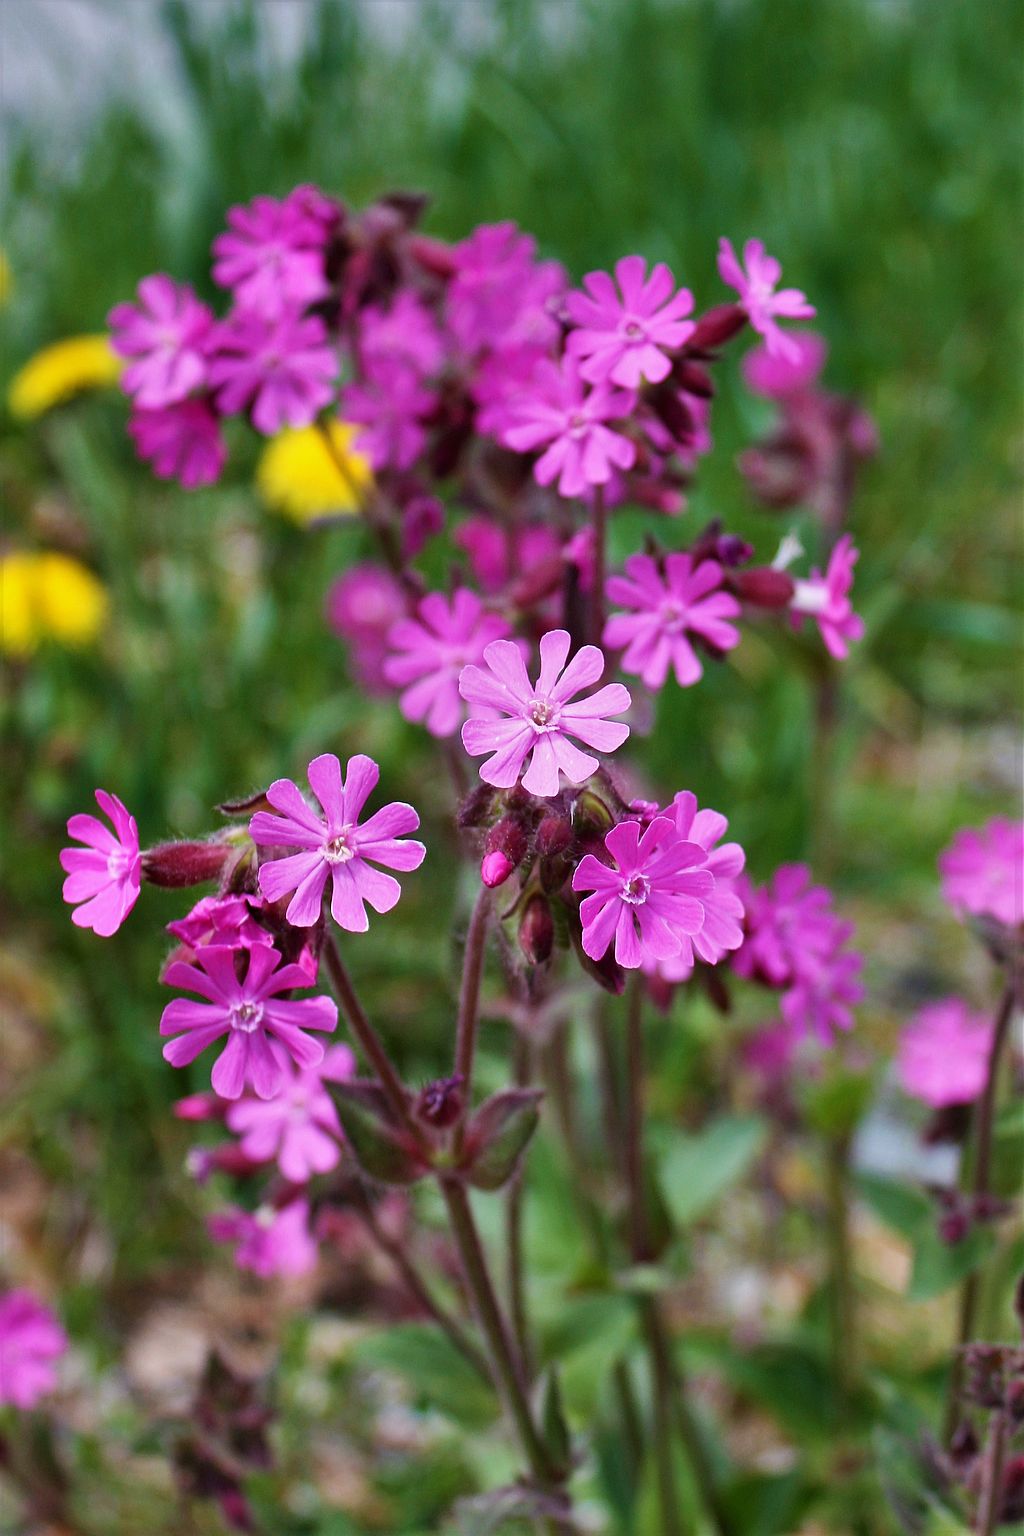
(875, 147)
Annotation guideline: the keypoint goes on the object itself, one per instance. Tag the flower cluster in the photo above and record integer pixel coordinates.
(982, 872)
(31, 1343)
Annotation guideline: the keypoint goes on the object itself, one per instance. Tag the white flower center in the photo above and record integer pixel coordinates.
(247, 1017)
(119, 864)
(635, 890)
(544, 715)
(633, 330)
(673, 616)
(339, 850)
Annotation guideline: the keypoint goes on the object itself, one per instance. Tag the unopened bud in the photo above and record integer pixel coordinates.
(504, 849)
(716, 327)
(694, 379)
(440, 1103)
(537, 931)
(553, 835)
(476, 807)
(591, 816)
(953, 1227)
(495, 868)
(180, 864)
(764, 587)
(201, 1106)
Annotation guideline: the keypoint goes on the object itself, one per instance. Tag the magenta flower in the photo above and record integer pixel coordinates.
(542, 718)
(279, 367)
(649, 899)
(557, 413)
(431, 651)
(667, 604)
(106, 875)
(250, 1012)
(221, 920)
(334, 844)
(756, 288)
(778, 377)
(182, 442)
(826, 599)
(722, 930)
(825, 989)
(361, 607)
(390, 404)
(406, 333)
(624, 334)
(944, 1053)
(499, 295)
(270, 1242)
(299, 1126)
(273, 254)
(167, 332)
(31, 1342)
(497, 555)
(983, 871)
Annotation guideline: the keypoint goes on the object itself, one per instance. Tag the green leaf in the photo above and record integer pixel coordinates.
(433, 1368)
(791, 1380)
(906, 1209)
(586, 1339)
(939, 1265)
(498, 1135)
(697, 1170)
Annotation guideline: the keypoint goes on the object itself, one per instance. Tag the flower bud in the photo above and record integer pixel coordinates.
(201, 1106)
(537, 931)
(764, 587)
(476, 807)
(495, 868)
(440, 1103)
(179, 864)
(694, 379)
(504, 849)
(716, 327)
(591, 816)
(553, 836)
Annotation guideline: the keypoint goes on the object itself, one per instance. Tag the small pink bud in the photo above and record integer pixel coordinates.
(553, 835)
(200, 1106)
(495, 868)
(180, 864)
(537, 931)
(716, 327)
(764, 587)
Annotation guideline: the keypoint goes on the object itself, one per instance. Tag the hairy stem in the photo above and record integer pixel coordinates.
(983, 1128)
(469, 1002)
(366, 1036)
(398, 1253)
(600, 525)
(515, 1274)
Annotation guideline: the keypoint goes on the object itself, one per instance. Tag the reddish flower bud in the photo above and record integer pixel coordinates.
(201, 1106)
(764, 587)
(476, 807)
(179, 864)
(536, 584)
(440, 1103)
(504, 849)
(716, 327)
(537, 931)
(553, 836)
(434, 256)
(694, 379)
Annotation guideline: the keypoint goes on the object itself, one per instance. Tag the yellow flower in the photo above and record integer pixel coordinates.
(299, 476)
(59, 372)
(48, 596)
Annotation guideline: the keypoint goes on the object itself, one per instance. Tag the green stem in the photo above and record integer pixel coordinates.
(991, 1496)
(515, 1272)
(367, 1037)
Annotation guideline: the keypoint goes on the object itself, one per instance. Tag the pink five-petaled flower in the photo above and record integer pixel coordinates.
(650, 899)
(31, 1341)
(624, 334)
(431, 651)
(334, 844)
(556, 411)
(756, 288)
(944, 1053)
(280, 367)
(983, 871)
(826, 599)
(542, 717)
(106, 875)
(167, 334)
(250, 1012)
(270, 1242)
(666, 604)
(182, 442)
(723, 907)
(300, 1125)
(273, 254)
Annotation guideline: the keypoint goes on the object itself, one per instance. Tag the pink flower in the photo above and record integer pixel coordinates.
(667, 604)
(279, 367)
(389, 404)
(624, 340)
(249, 1012)
(756, 288)
(31, 1341)
(168, 332)
(649, 899)
(361, 608)
(432, 650)
(826, 599)
(270, 1242)
(796, 942)
(221, 920)
(334, 844)
(983, 871)
(106, 875)
(778, 376)
(555, 410)
(273, 255)
(723, 906)
(944, 1053)
(300, 1126)
(542, 718)
(498, 555)
(182, 442)
(406, 333)
(499, 294)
